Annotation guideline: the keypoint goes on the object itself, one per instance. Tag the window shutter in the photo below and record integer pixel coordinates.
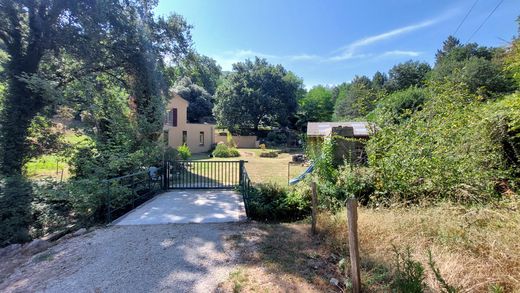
(174, 116)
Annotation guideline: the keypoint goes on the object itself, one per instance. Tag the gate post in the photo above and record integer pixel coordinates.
(241, 173)
(165, 175)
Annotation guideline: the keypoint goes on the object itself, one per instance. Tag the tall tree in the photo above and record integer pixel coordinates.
(316, 105)
(201, 70)
(200, 100)
(100, 36)
(407, 74)
(257, 93)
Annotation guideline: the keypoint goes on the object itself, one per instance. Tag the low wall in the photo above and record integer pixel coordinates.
(242, 141)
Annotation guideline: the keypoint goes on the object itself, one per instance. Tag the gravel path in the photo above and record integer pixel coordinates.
(150, 258)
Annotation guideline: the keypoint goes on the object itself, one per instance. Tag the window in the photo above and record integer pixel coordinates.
(201, 138)
(184, 137)
(171, 119)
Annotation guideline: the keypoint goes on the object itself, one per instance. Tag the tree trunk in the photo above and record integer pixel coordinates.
(20, 106)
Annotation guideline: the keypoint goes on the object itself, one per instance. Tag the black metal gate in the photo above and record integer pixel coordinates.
(203, 174)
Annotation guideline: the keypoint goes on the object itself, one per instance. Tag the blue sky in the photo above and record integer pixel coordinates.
(329, 42)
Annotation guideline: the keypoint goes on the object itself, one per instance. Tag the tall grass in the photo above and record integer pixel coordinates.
(475, 249)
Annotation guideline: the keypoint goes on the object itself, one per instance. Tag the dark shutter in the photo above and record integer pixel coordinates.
(174, 117)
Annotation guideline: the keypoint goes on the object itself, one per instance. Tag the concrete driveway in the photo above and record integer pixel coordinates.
(188, 206)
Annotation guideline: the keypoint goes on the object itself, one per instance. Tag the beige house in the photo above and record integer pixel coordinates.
(177, 131)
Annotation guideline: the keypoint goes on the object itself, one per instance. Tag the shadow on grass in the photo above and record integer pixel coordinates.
(293, 260)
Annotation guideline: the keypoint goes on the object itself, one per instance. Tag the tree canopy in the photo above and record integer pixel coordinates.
(257, 94)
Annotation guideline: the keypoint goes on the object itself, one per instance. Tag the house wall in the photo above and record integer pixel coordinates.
(242, 141)
(193, 129)
(193, 139)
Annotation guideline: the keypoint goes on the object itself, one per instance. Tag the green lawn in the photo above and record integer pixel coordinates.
(263, 170)
(54, 165)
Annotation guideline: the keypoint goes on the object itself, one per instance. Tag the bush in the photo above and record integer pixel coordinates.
(223, 151)
(448, 150)
(15, 210)
(272, 202)
(171, 154)
(184, 152)
(277, 137)
(270, 154)
(409, 273)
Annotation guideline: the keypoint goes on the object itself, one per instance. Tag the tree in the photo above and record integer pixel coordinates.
(202, 70)
(257, 94)
(37, 35)
(404, 75)
(358, 102)
(379, 81)
(316, 105)
(200, 101)
(449, 44)
(476, 66)
(55, 47)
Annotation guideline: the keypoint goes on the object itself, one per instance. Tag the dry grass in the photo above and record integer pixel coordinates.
(281, 258)
(474, 248)
(264, 170)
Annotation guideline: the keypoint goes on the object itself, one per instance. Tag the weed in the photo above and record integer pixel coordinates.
(409, 275)
(445, 287)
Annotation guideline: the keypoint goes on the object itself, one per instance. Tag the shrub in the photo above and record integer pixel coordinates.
(15, 210)
(447, 150)
(184, 152)
(277, 137)
(409, 273)
(223, 151)
(229, 140)
(171, 154)
(271, 154)
(272, 202)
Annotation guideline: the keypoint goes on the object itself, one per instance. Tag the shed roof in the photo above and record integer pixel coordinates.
(361, 129)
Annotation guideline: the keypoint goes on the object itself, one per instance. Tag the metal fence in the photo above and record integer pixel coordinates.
(126, 192)
(203, 174)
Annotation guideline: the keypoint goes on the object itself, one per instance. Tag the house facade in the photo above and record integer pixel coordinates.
(199, 137)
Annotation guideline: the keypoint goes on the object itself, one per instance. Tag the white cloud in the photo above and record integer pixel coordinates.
(349, 51)
(400, 53)
(304, 57)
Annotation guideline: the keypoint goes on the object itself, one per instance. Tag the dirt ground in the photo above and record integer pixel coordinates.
(237, 257)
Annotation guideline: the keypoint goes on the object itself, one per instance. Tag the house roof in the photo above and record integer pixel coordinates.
(361, 129)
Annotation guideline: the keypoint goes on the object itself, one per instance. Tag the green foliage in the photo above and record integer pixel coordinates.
(447, 150)
(272, 202)
(184, 152)
(359, 99)
(15, 214)
(316, 105)
(200, 101)
(475, 66)
(229, 140)
(409, 273)
(407, 74)
(397, 107)
(223, 151)
(256, 94)
(512, 60)
(201, 70)
(276, 137)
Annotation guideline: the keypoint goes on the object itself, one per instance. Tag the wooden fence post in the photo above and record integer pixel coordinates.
(314, 201)
(353, 244)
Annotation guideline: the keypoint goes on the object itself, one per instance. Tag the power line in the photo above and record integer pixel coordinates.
(466, 16)
(485, 20)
